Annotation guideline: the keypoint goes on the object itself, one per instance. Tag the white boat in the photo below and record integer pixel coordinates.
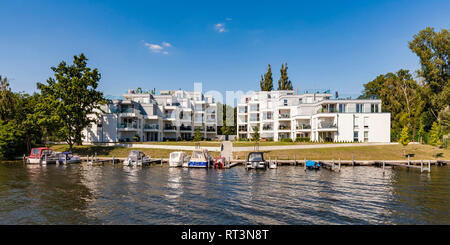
(67, 158)
(178, 159)
(200, 159)
(255, 160)
(273, 164)
(137, 158)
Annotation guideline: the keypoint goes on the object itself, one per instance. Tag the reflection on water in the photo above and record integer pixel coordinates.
(82, 194)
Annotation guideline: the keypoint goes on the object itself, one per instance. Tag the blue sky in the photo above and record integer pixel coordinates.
(226, 45)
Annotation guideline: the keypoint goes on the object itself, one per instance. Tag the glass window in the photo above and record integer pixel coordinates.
(355, 136)
(366, 136)
(285, 102)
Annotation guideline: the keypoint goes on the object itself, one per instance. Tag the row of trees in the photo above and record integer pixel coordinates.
(418, 105)
(60, 111)
(266, 83)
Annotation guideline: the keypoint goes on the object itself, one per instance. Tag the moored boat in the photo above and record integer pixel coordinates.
(200, 159)
(178, 159)
(255, 160)
(312, 164)
(67, 158)
(41, 155)
(219, 162)
(137, 158)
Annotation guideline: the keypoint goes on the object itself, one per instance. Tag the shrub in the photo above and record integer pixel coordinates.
(286, 140)
(302, 139)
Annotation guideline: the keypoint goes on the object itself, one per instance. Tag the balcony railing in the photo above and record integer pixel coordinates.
(127, 125)
(284, 127)
(242, 128)
(285, 116)
(327, 125)
(170, 127)
(185, 128)
(210, 129)
(267, 128)
(151, 126)
(304, 126)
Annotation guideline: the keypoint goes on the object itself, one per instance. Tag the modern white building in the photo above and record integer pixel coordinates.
(314, 115)
(170, 115)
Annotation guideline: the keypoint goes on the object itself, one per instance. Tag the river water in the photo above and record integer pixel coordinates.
(81, 194)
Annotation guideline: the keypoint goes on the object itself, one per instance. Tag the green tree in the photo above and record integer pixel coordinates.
(228, 116)
(401, 96)
(435, 135)
(70, 101)
(7, 99)
(444, 118)
(255, 136)
(404, 137)
(198, 135)
(266, 82)
(433, 50)
(18, 131)
(284, 83)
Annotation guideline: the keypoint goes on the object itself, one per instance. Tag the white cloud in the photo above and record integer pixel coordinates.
(228, 19)
(220, 27)
(156, 48)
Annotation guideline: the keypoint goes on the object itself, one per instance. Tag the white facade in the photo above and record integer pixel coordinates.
(170, 115)
(283, 114)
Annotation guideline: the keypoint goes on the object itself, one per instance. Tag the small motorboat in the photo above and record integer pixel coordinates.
(137, 158)
(200, 159)
(42, 155)
(67, 158)
(312, 164)
(256, 160)
(273, 164)
(178, 159)
(219, 163)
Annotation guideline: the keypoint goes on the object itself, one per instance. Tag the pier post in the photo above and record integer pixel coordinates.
(276, 161)
(408, 159)
(304, 165)
(332, 165)
(384, 163)
(339, 164)
(421, 166)
(353, 160)
(113, 160)
(429, 166)
(295, 160)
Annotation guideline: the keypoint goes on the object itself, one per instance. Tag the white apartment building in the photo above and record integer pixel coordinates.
(283, 114)
(170, 115)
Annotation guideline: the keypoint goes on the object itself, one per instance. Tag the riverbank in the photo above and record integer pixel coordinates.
(375, 152)
(372, 152)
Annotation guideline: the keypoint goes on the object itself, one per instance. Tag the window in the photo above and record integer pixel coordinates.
(374, 108)
(285, 103)
(355, 136)
(366, 122)
(300, 100)
(342, 108)
(366, 136)
(359, 108)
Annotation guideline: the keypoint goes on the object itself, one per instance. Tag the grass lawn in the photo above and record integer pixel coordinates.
(186, 143)
(109, 151)
(382, 152)
(276, 143)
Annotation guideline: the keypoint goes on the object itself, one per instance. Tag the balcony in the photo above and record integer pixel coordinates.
(185, 128)
(242, 129)
(128, 126)
(303, 127)
(284, 127)
(210, 129)
(267, 128)
(151, 126)
(285, 116)
(327, 125)
(170, 128)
